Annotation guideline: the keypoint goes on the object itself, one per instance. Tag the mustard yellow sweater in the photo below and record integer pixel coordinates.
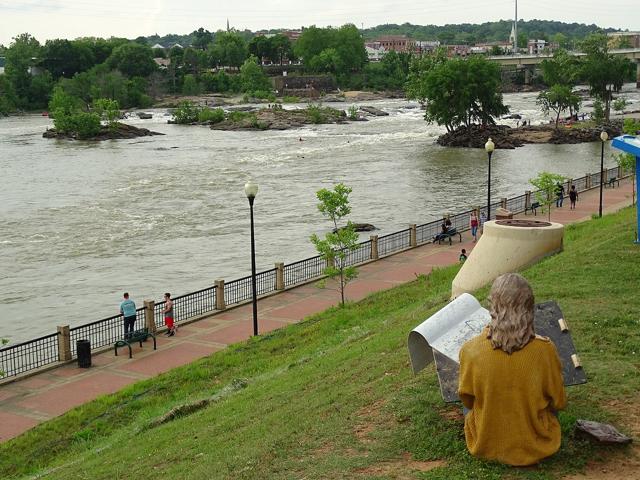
(512, 399)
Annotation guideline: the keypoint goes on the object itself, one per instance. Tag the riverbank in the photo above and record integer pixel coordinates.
(358, 411)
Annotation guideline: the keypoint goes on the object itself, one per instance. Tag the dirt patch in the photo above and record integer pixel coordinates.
(533, 136)
(400, 469)
(454, 415)
(369, 418)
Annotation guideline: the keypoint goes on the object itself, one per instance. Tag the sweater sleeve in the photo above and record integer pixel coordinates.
(465, 381)
(555, 384)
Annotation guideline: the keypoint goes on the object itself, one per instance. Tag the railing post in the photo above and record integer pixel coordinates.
(587, 183)
(331, 262)
(279, 276)
(374, 247)
(619, 171)
(503, 202)
(527, 200)
(569, 183)
(413, 238)
(64, 343)
(150, 315)
(605, 175)
(220, 305)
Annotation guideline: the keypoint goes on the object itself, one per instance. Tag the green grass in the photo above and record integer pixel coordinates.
(333, 397)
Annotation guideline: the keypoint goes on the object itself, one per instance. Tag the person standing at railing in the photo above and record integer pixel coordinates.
(473, 225)
(483, 218)
(168, 315)
(128, 311)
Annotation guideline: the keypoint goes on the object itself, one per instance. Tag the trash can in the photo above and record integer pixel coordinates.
(83, 347)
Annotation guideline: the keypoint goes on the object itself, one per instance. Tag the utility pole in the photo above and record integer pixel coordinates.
(515, 32)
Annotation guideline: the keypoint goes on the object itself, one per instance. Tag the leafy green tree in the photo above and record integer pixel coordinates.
(562, 69)
(334, 248)
(419, 68)
(547, 185)
(133, 60)
(201, 39)
(619, 104)
(605, 73)
(252, 77)
(281, 48)
(8, 99)
(21, 56)
(108, 110)
(190, 85)
(261, 47)
(558, 99)
(229, 50)
(458, 92)
(63, 58)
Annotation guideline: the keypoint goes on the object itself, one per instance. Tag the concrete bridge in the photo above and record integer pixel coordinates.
(526, 61)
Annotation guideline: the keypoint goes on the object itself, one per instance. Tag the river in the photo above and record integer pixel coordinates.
(82, 222)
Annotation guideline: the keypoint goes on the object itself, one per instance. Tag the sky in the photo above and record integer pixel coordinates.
(47, 19)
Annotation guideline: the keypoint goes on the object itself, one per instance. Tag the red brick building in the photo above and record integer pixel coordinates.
(398, 43)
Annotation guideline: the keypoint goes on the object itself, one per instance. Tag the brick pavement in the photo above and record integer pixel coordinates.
(27, 402)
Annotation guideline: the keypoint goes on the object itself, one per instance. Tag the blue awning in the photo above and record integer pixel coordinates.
(627, 143)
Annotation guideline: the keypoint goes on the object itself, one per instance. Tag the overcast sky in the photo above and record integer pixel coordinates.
(46, 19)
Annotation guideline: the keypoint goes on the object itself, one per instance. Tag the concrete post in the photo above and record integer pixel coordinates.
(220, 305)
(64, 343)
(605, 175)
(374, 247)
(527, 199)
(413, 240)
(620, 173)
(503, 202)
(588, 182)
(150, 316)
(568, 186)
(279, 276)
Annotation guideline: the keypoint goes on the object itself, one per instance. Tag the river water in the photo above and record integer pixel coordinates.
(82, 222)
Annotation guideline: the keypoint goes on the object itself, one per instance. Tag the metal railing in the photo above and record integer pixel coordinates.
(40, 352)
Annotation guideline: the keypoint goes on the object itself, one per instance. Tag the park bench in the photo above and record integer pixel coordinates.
(611, 181)
(533, 207)
(449, 234)
(138, 336)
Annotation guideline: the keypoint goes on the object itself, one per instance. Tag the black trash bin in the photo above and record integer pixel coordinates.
(83, 347)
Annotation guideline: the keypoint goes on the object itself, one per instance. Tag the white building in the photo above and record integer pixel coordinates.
(375, 51)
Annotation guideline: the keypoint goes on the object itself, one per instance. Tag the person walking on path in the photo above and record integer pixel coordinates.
(573, 197)
(168, 315)
(128, 311)
(559, 195)
(473, 224)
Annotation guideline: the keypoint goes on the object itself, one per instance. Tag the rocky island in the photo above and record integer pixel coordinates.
(106, 132)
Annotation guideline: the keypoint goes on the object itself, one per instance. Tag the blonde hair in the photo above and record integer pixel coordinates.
(512, 303)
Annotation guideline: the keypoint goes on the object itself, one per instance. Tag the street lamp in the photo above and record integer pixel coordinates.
(251, 190)
(489, 147)
(604, 137)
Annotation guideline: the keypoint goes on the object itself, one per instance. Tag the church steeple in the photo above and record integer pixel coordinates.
(228, 29)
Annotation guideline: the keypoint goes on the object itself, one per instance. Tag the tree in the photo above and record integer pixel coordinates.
(63, 58)
(558, 98)
(457, 91)
(8, 99)
(190, 85)
(108, 110)
(201, 39)
(562, 69)
(252, 77)
(547, 187)
(281, 47)
(334, 248)
(133, 60)
(262, 48)
(619, 104)
(21, 56)
(604, 72)
(229, 50)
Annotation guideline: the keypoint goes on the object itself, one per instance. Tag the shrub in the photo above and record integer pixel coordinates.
(353, 112)
(315, 114)
(264, 95)
(108, 110)
(598, 112)
(240, 116)
(290, 99)
(215, 115)
(187, 112)
(86, 125)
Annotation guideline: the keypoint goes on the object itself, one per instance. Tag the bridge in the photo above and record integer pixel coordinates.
(525, 61)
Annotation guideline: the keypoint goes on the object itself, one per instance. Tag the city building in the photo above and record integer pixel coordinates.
(538, 47)
(426, 46)
(397, 43)
(157, 45)
(292, 35)
(375, 51)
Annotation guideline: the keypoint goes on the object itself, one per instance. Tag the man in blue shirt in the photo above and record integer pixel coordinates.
(128, 311)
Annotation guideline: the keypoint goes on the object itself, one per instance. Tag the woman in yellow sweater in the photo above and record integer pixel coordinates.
(511, 381)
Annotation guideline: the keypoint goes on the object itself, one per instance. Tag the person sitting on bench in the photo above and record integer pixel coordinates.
(510, 382)
(443, 233)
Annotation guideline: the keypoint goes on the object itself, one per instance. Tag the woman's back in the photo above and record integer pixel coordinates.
(513, 399)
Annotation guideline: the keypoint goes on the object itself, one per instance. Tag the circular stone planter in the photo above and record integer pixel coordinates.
(507, 246)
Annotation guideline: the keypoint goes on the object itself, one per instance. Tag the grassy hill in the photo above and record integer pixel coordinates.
(334, 397)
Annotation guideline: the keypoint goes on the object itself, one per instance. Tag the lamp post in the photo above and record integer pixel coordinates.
(604, 137)
(489, 147)
(251, 190)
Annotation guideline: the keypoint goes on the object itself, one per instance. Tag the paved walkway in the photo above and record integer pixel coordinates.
(27, 402)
